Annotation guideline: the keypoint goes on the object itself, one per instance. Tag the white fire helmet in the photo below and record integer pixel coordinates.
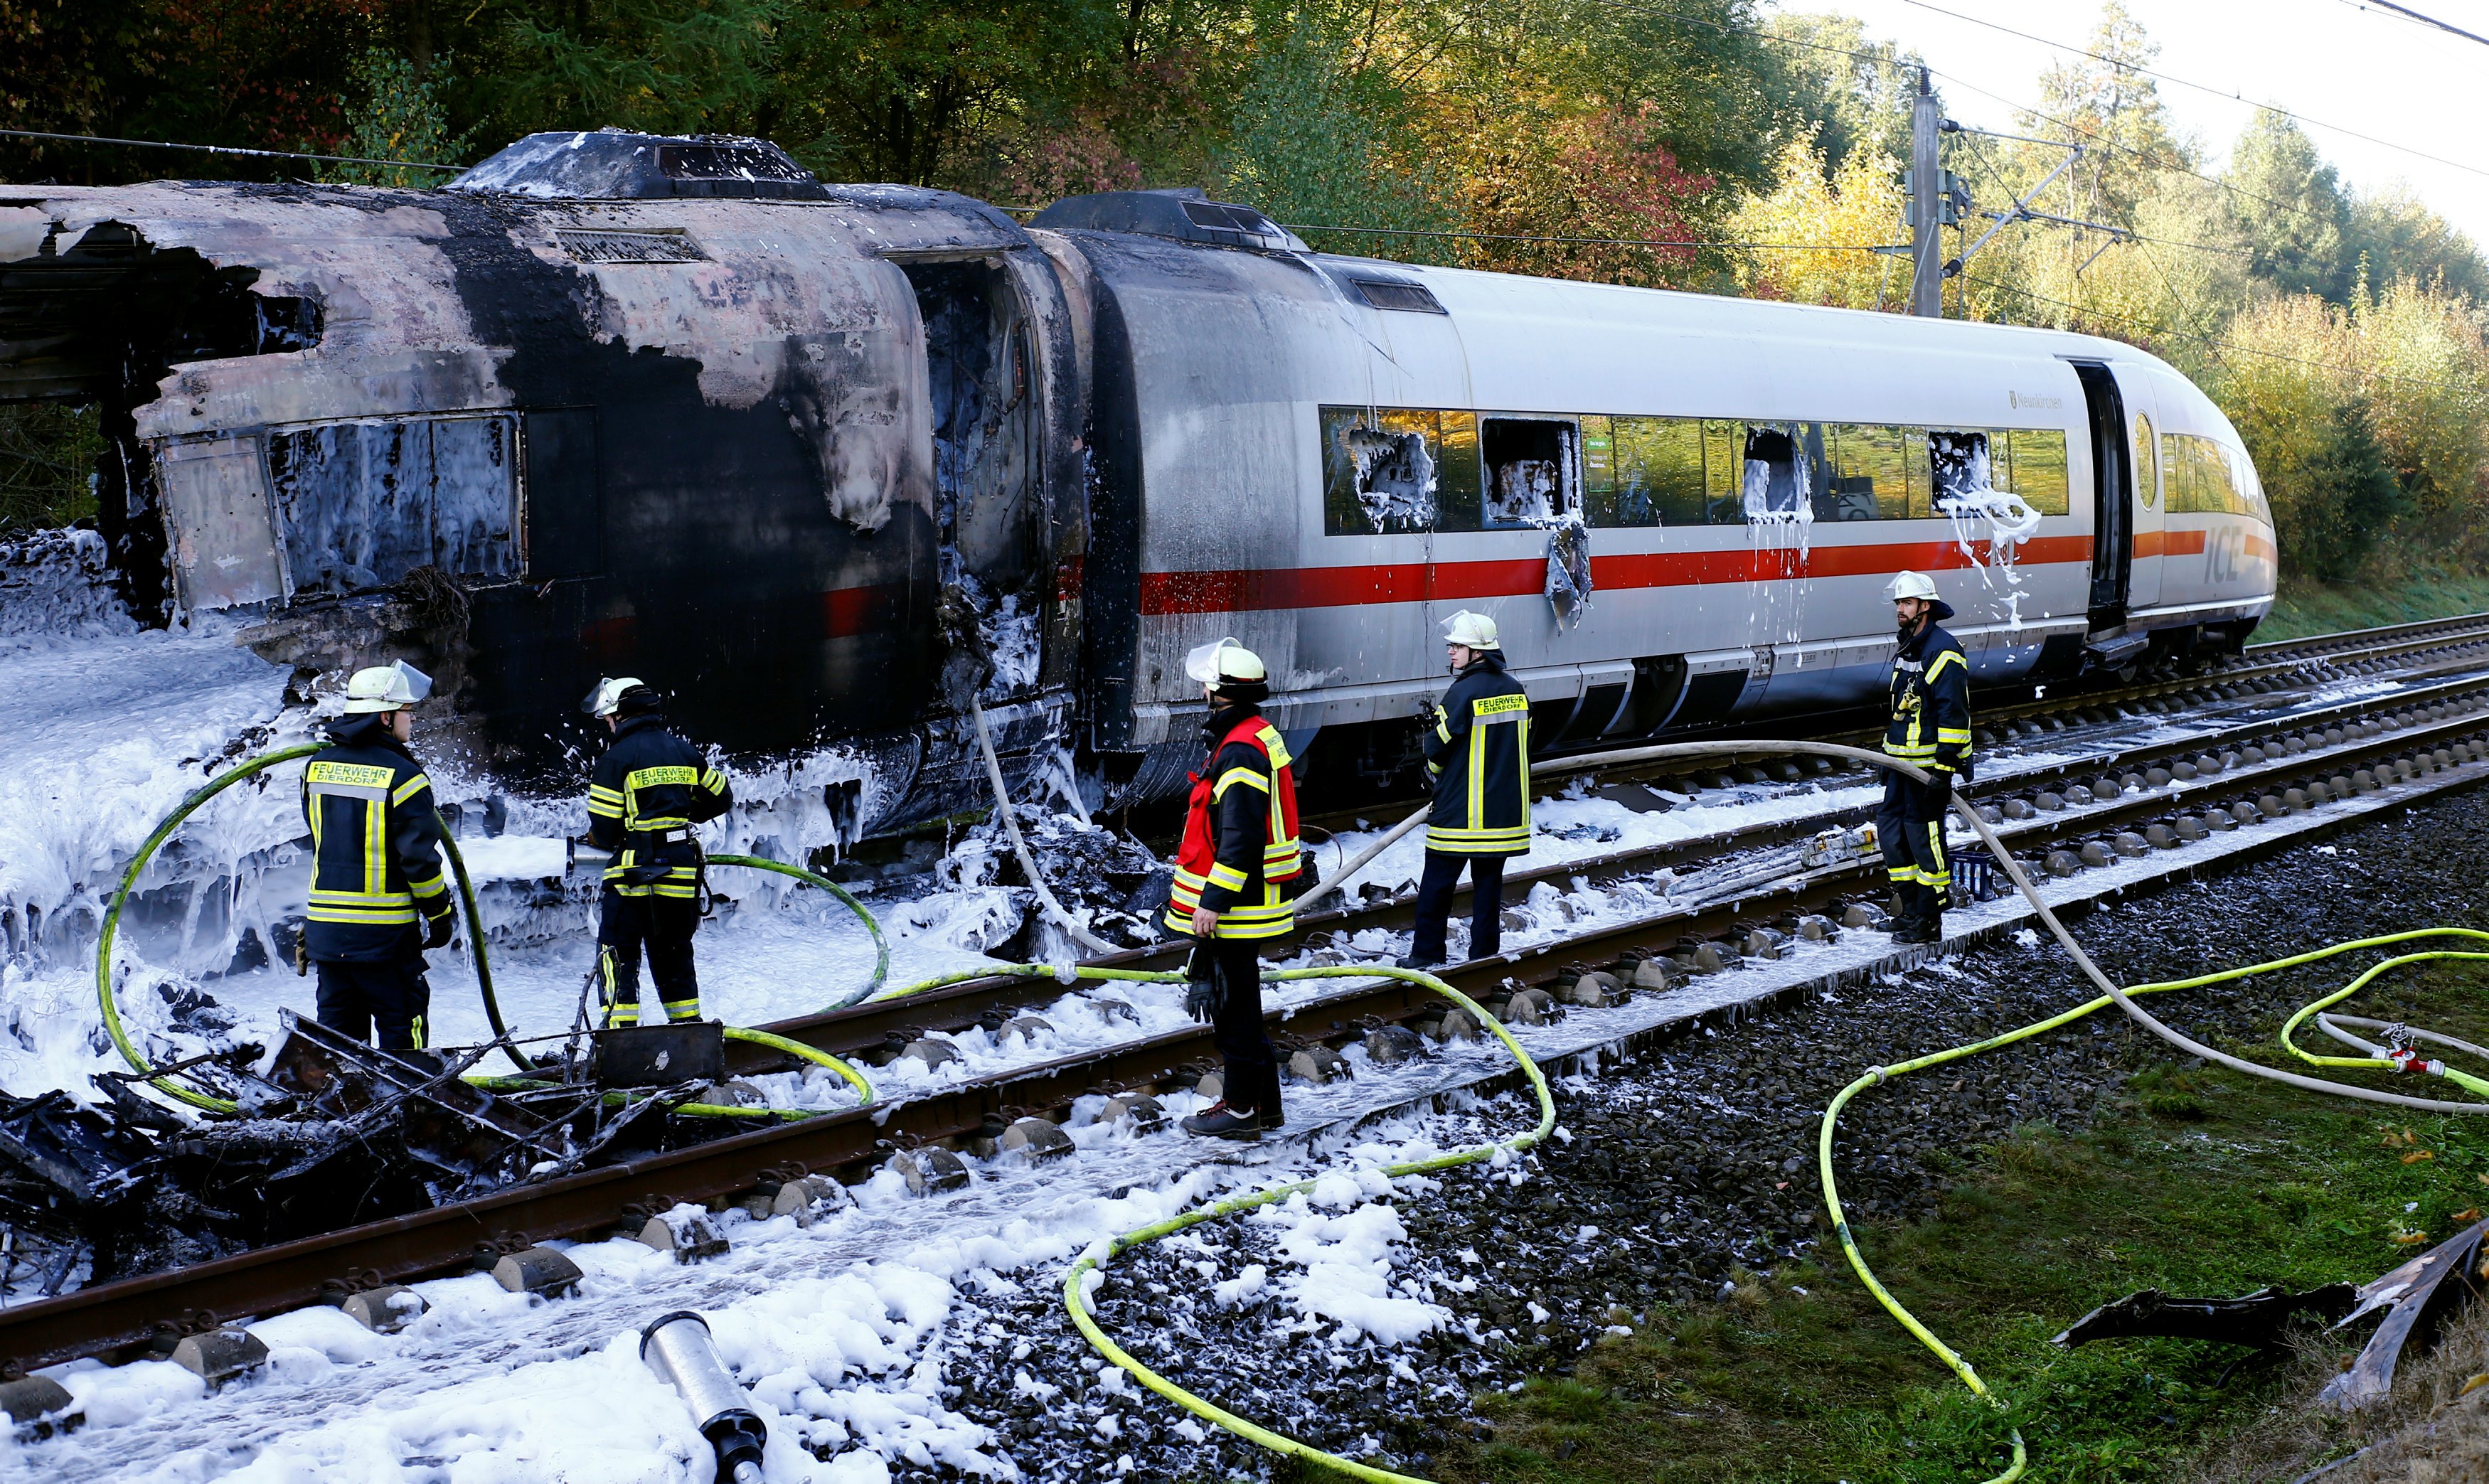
(1470, 631)
(1910, 585)
(386, 688)
(606, 698)
(1225, 660)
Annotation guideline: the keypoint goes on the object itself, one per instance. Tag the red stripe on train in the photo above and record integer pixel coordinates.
(1228, 592)
(2168, 543)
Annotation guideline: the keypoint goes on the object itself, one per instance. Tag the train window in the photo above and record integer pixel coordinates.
(2177, 476)
(1532, 472)
(1779, 473)
(1870, 478)
(2147, 476)
(1723, 472)
(1456, 474)
(1958, 465)
(2040, 474)
(1380, 471)
(2243, 498)
(1654, 474)
(364, 503)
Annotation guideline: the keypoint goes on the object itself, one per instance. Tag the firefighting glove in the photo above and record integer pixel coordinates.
(436, 929)
(1202, 991)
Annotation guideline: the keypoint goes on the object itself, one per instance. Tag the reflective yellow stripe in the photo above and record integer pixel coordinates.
(352, 774)
(1935, 667)
(375, 847)
(1908, 750)
(1499, 706)
(1274, 745)
(1953, 734)
(659, 778)
(1227, 876)
(713, 781)
(1481, 841)
(406, 791)
(433, 886)
(383, 915)
(1234, 776)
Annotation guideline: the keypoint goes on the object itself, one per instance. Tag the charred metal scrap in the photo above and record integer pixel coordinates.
(332, 1134)
(2262, 1319)
(2414, 1297)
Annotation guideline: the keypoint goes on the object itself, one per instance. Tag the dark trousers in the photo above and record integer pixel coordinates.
(1252, 1064)
(661, 926)
(1909, 825)
(391, 993)
(1435, 905)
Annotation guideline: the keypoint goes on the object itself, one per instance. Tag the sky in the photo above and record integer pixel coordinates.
(2342, 61)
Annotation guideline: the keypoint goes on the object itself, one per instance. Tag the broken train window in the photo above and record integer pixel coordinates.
(1533, 472)
(1782, 471)
(1382, 471)
(1959, 465)
(364, 503)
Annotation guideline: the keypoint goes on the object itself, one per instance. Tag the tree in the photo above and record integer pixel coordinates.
(2114, 110)
(1848, 104)
(2392, 236)
(2291, 207)
(397, 116)
(1313, 139)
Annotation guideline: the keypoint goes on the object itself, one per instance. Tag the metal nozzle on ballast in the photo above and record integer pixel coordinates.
(678, 1348)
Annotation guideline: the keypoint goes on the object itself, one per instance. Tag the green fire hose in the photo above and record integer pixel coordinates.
(475, 940)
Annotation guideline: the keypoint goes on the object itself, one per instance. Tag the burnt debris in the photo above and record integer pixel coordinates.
(327, 1133)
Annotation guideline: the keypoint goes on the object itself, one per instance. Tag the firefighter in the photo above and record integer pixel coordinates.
(1236, 879)
(378, 899)
(1929, 726)
(1477, 753)
(648, 792)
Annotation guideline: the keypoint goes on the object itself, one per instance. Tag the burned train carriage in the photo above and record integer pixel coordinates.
(830, 460)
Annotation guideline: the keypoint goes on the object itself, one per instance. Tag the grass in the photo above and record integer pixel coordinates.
(2195, 1181)
(2306, 606)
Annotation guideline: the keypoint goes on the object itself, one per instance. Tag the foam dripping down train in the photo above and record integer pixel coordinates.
(831, 459)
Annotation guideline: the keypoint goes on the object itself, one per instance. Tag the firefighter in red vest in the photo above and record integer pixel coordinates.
(1235, 879)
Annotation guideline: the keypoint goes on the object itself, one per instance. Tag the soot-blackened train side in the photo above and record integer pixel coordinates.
(824, 458)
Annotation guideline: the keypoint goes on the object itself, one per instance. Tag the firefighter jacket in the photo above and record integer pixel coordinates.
(648, 792)
(374, 846)
(1478, 755)
(1930, 694)
(1239, 856)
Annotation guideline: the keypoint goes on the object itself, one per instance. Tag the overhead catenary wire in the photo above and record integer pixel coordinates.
(1596, 242)
(2408, 12)
(1903, 64)
(227, 148)
(2201, 86)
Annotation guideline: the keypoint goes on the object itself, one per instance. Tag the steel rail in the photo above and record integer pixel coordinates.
(2359, 647)
(119, 1319)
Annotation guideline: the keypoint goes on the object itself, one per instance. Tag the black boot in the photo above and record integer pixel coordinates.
(1918, 907)
(1904, 924)
(1222, 1121)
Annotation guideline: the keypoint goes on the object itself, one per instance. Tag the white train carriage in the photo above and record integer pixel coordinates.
(1325, 457)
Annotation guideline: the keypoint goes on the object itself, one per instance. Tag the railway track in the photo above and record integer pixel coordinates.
(2072, 812)
(2261, 670)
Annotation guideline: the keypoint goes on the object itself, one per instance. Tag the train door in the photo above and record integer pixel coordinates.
(2143, 589)
(988, 505)
(2113, 500)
